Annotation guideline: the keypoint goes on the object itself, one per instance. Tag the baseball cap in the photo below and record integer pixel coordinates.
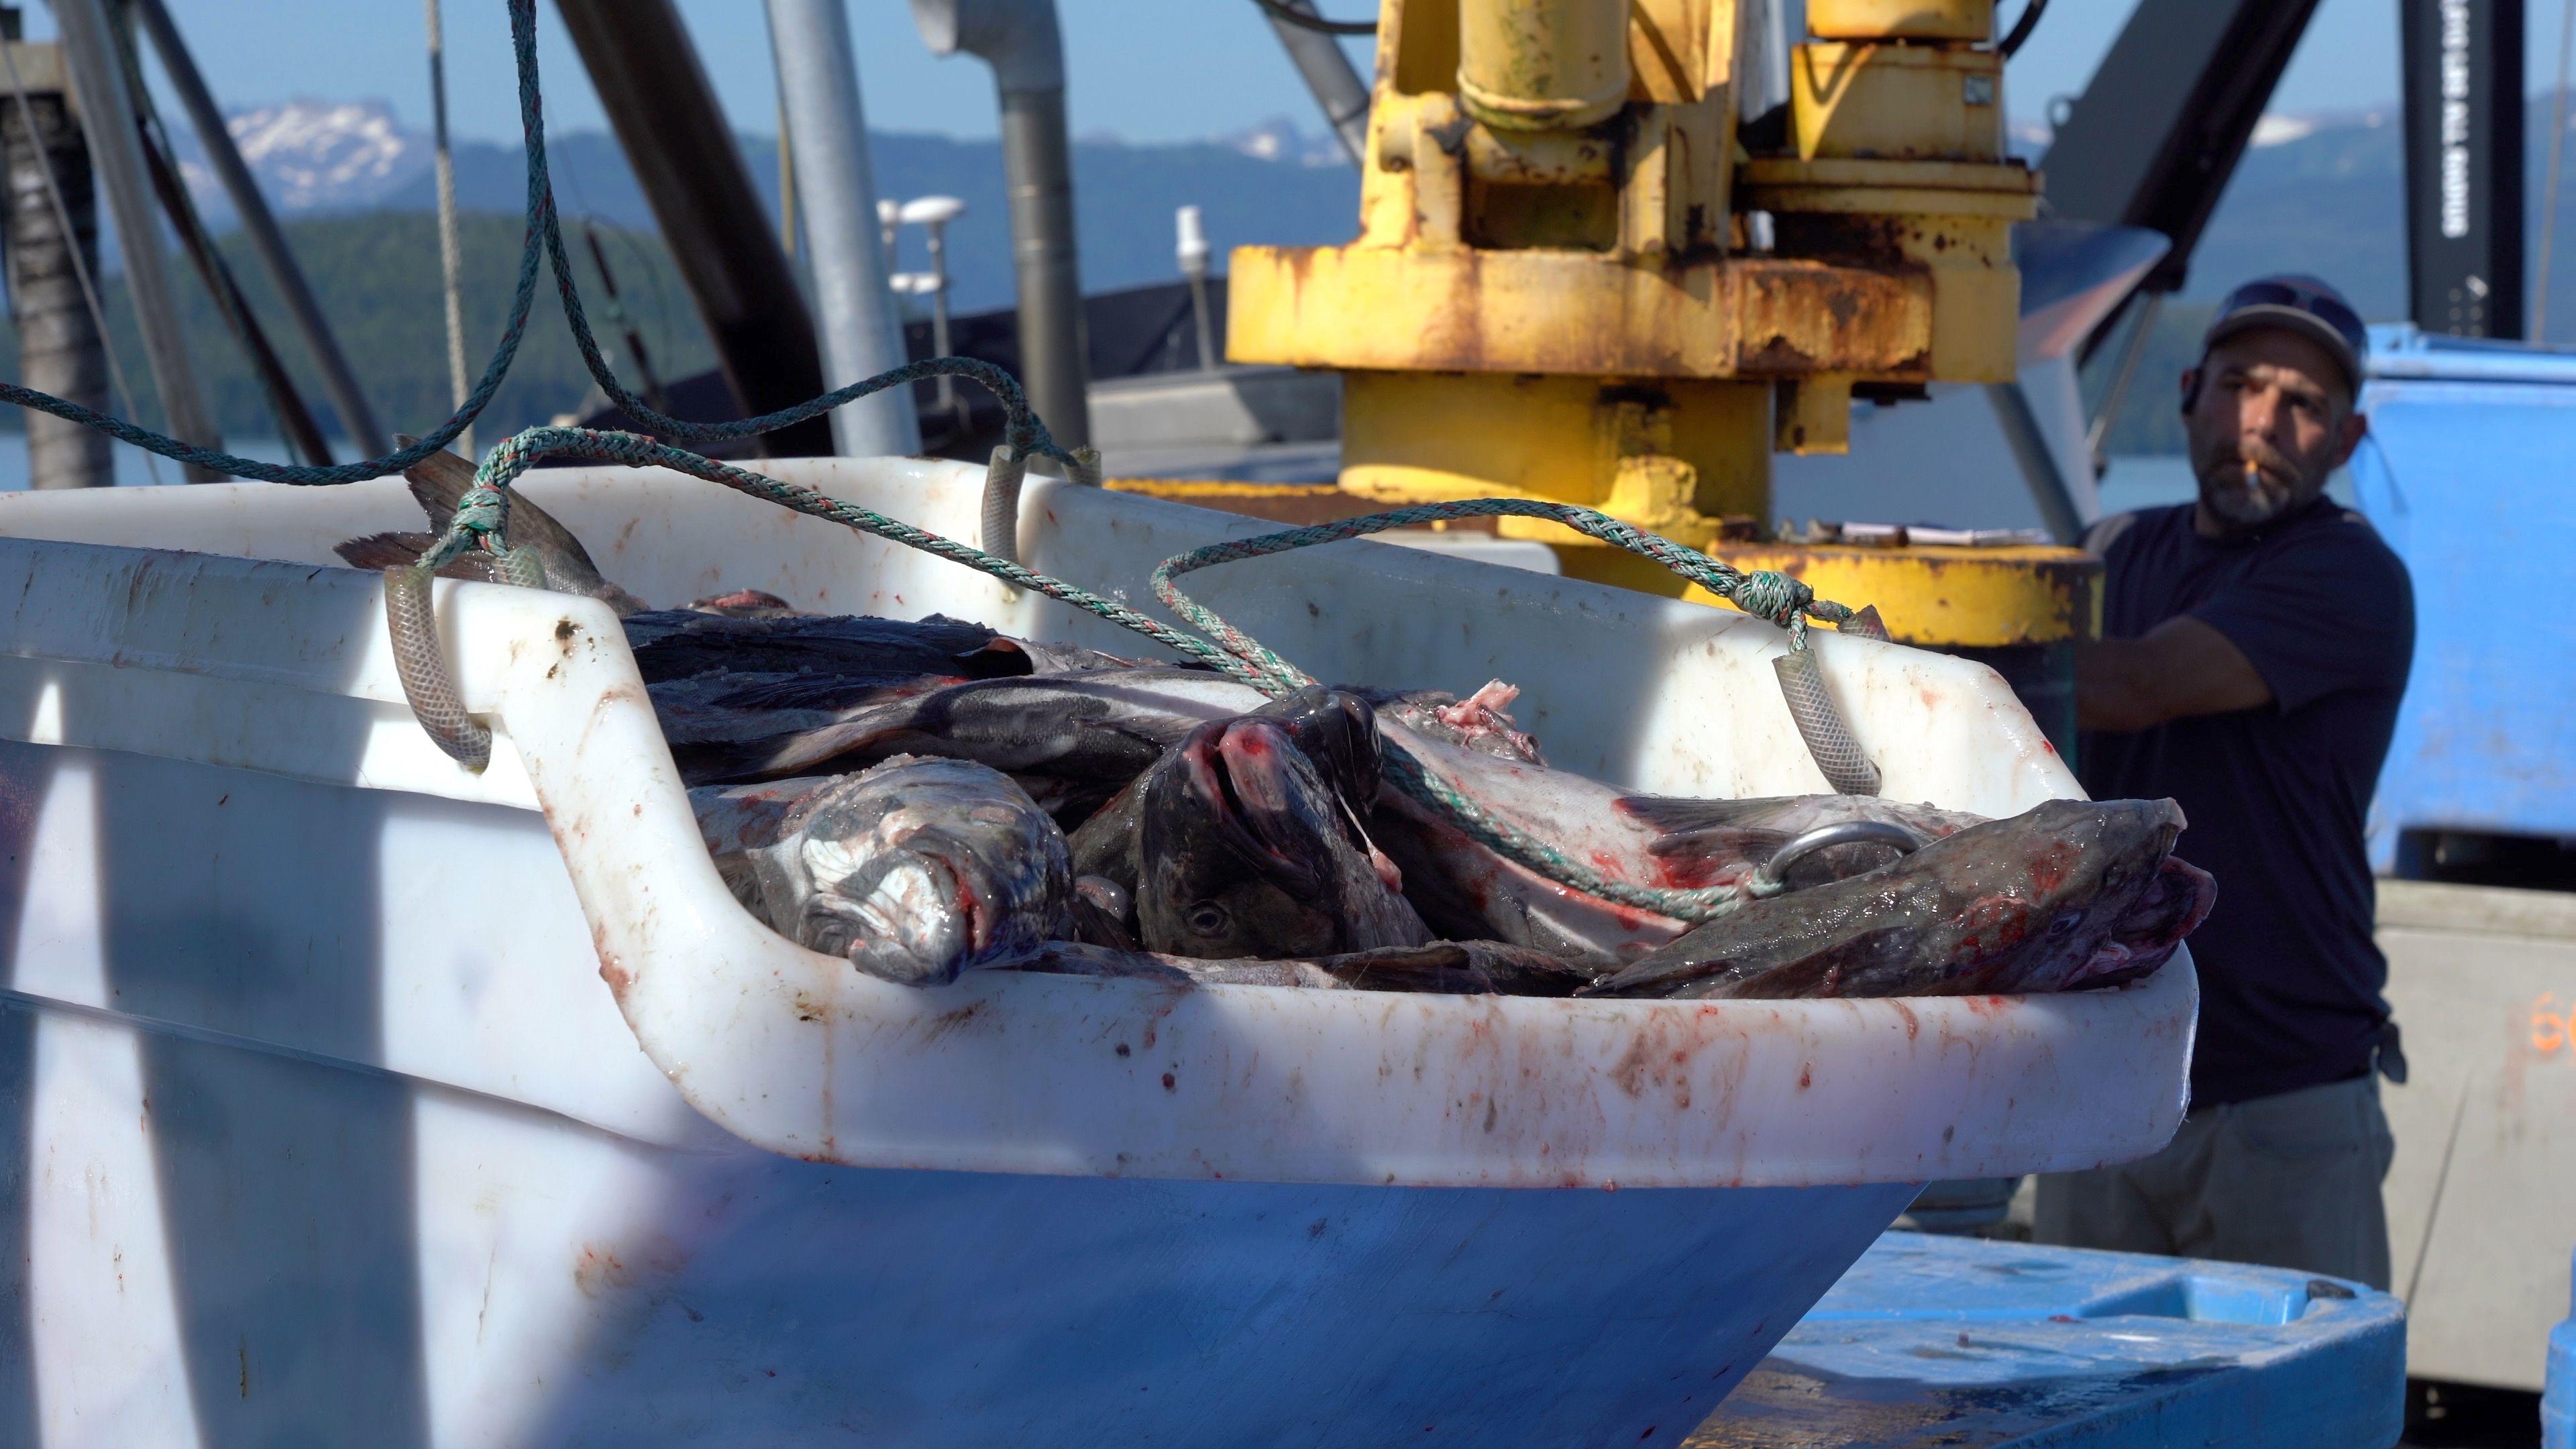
(2302, 304)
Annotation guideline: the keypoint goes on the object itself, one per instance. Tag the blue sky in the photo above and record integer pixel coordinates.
(1146, 70)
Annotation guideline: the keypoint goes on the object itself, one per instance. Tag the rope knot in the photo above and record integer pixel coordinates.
(1773, 596)
(482, 512)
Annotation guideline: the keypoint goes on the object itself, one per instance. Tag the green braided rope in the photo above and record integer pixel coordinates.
(482, 516)
(1779, 598)
(1705, 903)
(1784, 601)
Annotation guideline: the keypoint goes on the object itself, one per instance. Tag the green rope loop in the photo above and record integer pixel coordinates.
(480, 521)
(1778, 598)
(514, 455)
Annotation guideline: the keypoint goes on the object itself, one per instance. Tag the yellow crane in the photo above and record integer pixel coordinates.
(1579, 278)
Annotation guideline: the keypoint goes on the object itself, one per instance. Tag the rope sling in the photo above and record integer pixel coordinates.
(482, 515)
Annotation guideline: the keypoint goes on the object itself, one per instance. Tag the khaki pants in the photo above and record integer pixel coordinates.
(2290, 1181)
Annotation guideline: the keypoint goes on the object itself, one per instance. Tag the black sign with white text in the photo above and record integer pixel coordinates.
(2464, 118)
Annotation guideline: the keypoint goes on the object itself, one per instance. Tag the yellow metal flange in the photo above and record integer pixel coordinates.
(1972, 598)
(1967, 20)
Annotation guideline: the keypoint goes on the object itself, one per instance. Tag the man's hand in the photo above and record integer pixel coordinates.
(2178, 669)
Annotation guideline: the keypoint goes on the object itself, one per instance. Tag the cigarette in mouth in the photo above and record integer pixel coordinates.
(2253, 474)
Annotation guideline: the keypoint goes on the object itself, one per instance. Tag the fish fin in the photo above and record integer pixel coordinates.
(1699, 842)
(400, 550)
(439, 482)
(1677, 815)
(383, 550)
(1447, 967)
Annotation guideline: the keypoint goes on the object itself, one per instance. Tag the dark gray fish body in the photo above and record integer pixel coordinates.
(1465, 968)
(674, 644)
(1466, 889)
(1245, 851)
(914, 871)
(747, 604)
(2070, 894)
(1105, 844)
(721, 707)
(1093, 732)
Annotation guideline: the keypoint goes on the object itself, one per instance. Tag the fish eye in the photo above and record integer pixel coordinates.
(2066, 921)
(1207, 918)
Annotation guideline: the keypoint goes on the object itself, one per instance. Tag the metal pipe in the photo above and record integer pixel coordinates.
(91, 51)
(2099, 434)
(664, 110)
(939, 343)
(52, 247)
(2039, 471)
(614, 312)
(294, 420)
(818, 87)
(259, 225)
(1337, 87)
(1020, 40)
(932, 214)
(451, 255)
(787, 186)
(1542, 65)
(1191, 249)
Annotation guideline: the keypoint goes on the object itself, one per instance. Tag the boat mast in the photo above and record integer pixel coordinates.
(664, 110)
(818, 91)
(116, 149)
(259, 227)
(53, 257)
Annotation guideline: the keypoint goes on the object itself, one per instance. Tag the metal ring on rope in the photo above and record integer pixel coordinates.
(1771, 877)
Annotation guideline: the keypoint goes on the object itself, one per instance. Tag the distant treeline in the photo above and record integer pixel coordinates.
(377, 277)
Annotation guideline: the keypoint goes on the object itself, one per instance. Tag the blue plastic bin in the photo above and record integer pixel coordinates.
(2558, 1401)
(1933, 1341)
(2465, 473)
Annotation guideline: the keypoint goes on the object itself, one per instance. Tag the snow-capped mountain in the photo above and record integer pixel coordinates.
(312, 155)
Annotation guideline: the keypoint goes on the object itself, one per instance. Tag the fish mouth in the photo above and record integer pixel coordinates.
(1238, 776)
(1245, 775)
(2173, 905)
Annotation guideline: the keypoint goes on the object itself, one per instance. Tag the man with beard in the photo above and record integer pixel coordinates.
(2255, 646)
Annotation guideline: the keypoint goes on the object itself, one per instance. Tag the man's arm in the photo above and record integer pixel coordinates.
(2180, 668)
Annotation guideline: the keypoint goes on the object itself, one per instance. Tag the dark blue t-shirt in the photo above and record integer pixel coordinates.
(2290, 978)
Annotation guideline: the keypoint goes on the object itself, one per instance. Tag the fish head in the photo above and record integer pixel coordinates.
(1245, 850)
(2071, 893)
(918, 869)
(2146, 935)
(1336, 730)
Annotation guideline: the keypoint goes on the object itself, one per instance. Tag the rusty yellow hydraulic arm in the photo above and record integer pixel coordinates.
(1557, 290)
